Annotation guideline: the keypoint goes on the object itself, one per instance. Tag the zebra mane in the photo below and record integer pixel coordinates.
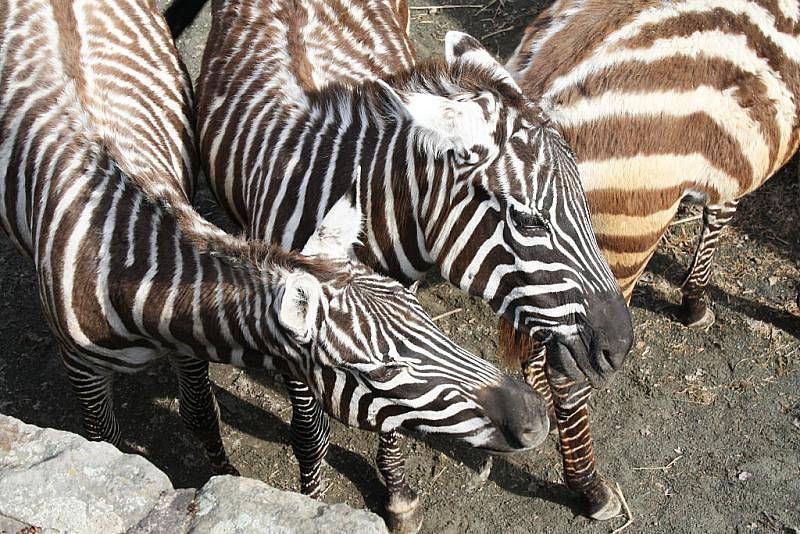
(432, 77)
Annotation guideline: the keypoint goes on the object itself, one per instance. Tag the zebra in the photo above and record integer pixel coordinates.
(670, 101)
(460, 172)
(97, 162)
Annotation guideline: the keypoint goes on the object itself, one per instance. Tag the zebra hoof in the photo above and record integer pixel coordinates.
(403, 516)
(696, 314)
(603, 501)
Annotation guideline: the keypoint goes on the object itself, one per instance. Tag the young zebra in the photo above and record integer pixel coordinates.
(666, 101)
(96, 159)
(461, 172)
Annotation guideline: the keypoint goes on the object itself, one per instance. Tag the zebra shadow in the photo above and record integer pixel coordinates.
(505, 474)
(767, 239)
(362, 472)
(255, 421)
(667, 266)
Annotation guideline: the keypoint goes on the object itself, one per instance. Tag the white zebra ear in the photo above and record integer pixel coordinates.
(338, 232)
(299, 305)
(442, 124)
(461, 47)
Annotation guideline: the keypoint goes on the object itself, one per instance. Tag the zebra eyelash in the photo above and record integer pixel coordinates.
(533, 221)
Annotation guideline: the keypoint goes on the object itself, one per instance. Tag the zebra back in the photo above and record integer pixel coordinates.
(665, 100)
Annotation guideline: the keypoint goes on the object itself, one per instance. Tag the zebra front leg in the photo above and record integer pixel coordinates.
(533, 370)
(575, 439)
(199, 410)
(402, 509)
(94, 389)
(310, 436)
(694, 311)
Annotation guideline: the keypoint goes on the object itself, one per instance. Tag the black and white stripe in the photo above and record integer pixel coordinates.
(459, 171)
(96, 162)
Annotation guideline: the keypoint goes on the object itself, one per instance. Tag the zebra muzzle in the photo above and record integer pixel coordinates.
(518, 414)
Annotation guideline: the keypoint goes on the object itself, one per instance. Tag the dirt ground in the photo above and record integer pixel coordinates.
(701, 429)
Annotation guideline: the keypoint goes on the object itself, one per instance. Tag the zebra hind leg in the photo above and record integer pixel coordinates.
(94, 389)
(310, 436)
(199, 410)
(695, 313)
(402, 510)
(577, 451)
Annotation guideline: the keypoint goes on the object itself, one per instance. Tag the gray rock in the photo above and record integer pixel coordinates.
(57, 480)
(173, 513)
(60, 482)
(8, 525)
(228, 505)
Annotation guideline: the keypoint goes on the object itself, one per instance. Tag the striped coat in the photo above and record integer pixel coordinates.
(459, 172)
(666, 101)
(97, 162)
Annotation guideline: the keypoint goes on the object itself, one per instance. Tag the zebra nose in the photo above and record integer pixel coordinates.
(612, 332)
(520, 414)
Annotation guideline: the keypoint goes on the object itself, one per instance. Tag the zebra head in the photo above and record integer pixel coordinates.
(376, 361)
(503, 212)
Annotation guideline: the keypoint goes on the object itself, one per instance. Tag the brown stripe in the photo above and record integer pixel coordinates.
(625, 244)
(626, 271)
(69, 43)
(621, 137)
(644, 202)
(295, 19)
(682, 73)
(782, 23)
(751, 92)
(578, 40)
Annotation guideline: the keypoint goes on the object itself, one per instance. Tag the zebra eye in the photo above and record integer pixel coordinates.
(384, 373)
(536, 221)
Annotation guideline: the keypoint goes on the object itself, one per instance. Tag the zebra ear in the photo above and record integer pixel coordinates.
(442, 124)
(340, 228)
(461, 47)
(299, 305)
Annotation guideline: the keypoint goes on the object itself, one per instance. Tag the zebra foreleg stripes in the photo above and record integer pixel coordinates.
(567, 407)
(694, 310)
(310, 435)
(577, 449)
(402, 509)
(535, 377)
(199, 410)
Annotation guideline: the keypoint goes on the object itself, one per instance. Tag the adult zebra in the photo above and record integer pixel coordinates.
(669, 101)
(461, 172)
(96, 159)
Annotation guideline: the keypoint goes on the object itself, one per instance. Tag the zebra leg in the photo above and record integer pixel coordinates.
(533, 369)
(575, 440)
(199, 410)
(402, 510)
(94, 389)
(694, 311)
(310, 436)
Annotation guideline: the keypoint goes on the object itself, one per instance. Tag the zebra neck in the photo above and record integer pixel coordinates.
(199, 290)
(376, 141)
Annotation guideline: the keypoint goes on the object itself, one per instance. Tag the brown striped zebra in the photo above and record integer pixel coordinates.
(663, 102)
(97, 159)
(460, 172)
